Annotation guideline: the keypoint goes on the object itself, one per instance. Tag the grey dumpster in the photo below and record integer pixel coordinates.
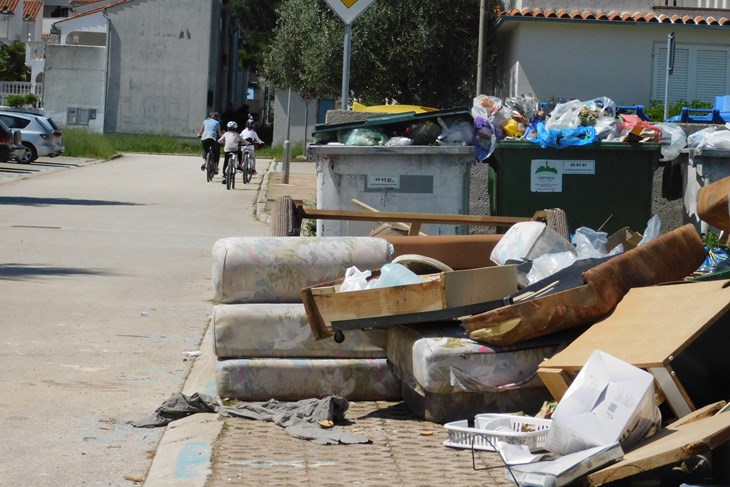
(703, 167)
(412, 179)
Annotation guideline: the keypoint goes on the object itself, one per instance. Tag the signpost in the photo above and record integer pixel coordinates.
(347, 10)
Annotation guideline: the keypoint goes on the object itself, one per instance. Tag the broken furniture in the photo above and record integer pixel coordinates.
(672, 256)
(697, 433)
(287, 216)
(713, 204)
(677, 332)
(446, 376)
(446, 295)
(263, 341)
(704, 173)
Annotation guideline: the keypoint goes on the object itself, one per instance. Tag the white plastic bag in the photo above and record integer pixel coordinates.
(548, 264)
(355, 280)
(528, 240)
(565, 116)
(652, 230)
(673, 140)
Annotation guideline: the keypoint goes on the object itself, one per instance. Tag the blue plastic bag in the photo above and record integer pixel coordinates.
(560, 138)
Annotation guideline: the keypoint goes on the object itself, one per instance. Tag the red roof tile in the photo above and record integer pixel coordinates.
(31, 9)
(614, 16)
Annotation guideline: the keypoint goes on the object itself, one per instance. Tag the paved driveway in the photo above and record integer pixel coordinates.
(105, 284)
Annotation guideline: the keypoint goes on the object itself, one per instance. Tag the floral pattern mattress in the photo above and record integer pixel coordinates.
(281, 330)
(261, 379)
(440, 359)
(275, 269)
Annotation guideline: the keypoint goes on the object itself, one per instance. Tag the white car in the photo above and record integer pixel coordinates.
(41, 136)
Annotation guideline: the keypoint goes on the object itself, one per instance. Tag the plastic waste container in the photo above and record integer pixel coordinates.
(704, 166)
(603, 186)
(412, 179)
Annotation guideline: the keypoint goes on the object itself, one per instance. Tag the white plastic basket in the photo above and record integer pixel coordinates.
(522, 430)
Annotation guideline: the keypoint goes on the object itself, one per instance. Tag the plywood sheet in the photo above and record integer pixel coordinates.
(650, 325)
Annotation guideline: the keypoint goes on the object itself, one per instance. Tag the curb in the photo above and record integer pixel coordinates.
(263, 191)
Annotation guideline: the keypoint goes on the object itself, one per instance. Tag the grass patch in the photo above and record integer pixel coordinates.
(82, 143)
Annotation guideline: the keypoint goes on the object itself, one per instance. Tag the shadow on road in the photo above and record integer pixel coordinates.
(15, 272)
(32, 201)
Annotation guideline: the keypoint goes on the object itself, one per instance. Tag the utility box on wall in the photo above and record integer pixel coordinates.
(410, 179)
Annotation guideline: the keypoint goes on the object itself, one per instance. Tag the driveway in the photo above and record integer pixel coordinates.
(105, 280)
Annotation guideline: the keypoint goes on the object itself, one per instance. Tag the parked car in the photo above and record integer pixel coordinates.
(11, 146)
(41, 136)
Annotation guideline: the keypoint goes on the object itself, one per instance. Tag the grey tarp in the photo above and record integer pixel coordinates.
(300, 419)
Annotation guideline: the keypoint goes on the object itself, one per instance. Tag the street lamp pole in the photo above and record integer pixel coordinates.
(480, 49)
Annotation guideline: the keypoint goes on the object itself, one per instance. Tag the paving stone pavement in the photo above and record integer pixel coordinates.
(404, 450)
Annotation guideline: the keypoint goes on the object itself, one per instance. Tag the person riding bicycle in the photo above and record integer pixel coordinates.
(209, 134)
(251, 137)
(231, 141)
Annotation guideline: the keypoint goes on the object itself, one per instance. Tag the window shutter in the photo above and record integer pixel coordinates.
(679, 79)
(712, 78)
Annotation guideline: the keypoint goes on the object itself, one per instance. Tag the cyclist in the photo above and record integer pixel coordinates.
(209, 133)
(251, 137)
(231, 141)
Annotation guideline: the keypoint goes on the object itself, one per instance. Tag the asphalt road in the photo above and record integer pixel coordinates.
(105, 281)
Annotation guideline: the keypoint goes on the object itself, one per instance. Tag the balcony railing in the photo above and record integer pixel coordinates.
(9, 88)
(692, 4)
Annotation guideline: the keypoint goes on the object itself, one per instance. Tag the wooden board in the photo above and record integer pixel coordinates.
(681, 440)
(453, 289)
(650, 326)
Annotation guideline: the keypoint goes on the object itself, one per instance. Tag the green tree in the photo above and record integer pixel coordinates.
(12, 62)
(258, 19)
(413, 51)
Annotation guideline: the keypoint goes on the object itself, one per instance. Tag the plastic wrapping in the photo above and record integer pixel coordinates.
(673, 140)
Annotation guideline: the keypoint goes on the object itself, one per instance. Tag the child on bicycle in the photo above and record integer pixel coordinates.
(231, 142)
(251, 137)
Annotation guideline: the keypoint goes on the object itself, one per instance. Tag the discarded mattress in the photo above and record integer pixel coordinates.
(441, 359)
(282, 330)
(261, 379)
(447, 376)
(274, 269)
(713, 204)
(672, 256)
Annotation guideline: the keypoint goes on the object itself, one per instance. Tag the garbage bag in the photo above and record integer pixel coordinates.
(561, 138)
(673, 140)
(565, 115)
(365, 136)
(454, 132)
(484, 138)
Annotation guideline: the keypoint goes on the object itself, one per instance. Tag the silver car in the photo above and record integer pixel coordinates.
(41, 136)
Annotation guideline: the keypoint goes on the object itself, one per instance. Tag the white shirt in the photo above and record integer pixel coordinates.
(250, 133)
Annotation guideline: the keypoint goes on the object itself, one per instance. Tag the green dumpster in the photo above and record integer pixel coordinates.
(603, 186)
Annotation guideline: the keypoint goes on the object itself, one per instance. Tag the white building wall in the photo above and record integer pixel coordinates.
(159, 56)
(587, 60)
(303, 119)
(74, 77)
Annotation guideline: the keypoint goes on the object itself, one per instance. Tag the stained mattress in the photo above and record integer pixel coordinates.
(275, 269)
(441, 359)
(281, 330)
(262, 379)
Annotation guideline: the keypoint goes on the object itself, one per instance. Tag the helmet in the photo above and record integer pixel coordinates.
(232, 125)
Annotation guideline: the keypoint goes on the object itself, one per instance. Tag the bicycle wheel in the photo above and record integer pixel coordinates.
(247, 168)
(234, 170)
(209, 166)
(230, 171)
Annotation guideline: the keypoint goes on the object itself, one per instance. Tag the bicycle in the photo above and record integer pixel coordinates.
(209, 164)
(230, 172)
(247, 165)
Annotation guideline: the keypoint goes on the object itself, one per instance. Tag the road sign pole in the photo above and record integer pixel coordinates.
(346, 68)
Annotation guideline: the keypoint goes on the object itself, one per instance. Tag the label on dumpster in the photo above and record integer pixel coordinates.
(579, 167)
(546, 176)
(383, 182)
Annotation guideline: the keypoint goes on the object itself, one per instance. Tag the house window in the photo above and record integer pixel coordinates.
(701, 72)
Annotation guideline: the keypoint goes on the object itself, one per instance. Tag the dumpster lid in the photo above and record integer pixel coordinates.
(390, 119)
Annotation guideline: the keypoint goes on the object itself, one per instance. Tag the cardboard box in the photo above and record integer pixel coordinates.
(447, 295)
(610, 400)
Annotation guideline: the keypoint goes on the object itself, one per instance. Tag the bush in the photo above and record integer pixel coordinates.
(22, 101)
(655, 111)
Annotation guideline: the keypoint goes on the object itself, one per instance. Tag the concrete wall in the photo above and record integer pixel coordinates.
(303, 118)
(75, 77)
(159, 58)
(586, 60)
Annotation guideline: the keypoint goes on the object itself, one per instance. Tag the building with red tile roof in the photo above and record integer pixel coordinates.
(553, 51)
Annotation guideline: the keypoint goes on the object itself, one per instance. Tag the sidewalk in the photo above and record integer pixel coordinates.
(204, 450)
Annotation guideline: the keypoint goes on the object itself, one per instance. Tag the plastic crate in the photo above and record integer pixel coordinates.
(481, 437)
